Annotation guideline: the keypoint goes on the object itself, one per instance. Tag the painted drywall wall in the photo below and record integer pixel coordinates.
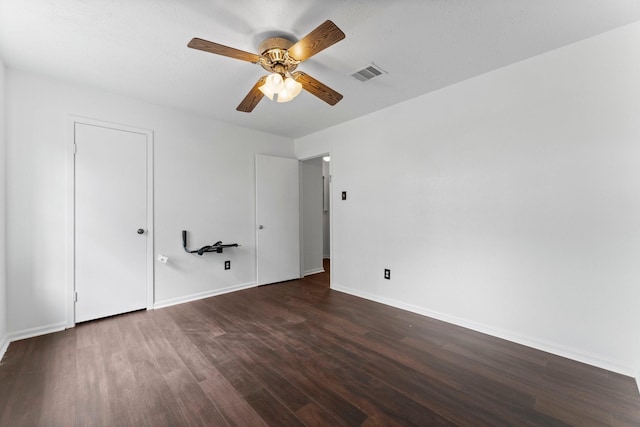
(3, 282)
(311, 202)
(508, 203)
(204, 183)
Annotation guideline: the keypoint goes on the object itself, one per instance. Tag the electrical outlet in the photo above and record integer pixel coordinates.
(163, 259)
(387, 274)
(344, 195)
(227, 265)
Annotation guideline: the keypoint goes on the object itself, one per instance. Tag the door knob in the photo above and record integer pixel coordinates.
(260, 227)
(140, 231)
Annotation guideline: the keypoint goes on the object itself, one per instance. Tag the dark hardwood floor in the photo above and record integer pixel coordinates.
(297, 353)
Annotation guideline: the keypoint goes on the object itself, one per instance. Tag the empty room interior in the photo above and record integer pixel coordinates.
(320, 213)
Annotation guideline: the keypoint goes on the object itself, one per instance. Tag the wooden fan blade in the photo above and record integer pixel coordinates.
(316, 88)
(219, 49)
(253, 97)
(316, 41)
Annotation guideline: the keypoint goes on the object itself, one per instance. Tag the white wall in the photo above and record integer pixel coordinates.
(312, 216)
(3, 276)
(204, 183)
(508, 203)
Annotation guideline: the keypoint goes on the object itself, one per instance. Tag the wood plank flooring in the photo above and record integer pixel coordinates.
(296, 354)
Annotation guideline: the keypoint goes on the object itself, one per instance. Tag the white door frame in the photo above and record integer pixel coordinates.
(331, 252)
(71, 211)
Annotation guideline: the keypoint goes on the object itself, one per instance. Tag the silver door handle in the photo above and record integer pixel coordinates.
(260, 227)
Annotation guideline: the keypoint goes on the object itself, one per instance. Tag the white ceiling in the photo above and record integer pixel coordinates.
(139, 48)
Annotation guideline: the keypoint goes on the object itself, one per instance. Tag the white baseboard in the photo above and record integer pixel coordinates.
(314, 271)
(37, 331)
(201, 295)
(558, 350)
(4, 345)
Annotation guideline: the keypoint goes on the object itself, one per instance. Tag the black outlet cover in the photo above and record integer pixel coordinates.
(344, 195)
(227, 265)
(387, 274)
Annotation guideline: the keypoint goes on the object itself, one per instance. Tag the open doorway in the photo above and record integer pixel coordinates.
(315, 211)
(326, 206)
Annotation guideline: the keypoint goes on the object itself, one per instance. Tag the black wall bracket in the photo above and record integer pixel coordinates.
(216, 247)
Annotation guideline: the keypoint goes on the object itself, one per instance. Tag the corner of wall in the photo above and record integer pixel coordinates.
(4, 345)
(4, 338)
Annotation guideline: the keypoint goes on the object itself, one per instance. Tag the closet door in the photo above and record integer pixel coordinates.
(111, 230)
(277, 219)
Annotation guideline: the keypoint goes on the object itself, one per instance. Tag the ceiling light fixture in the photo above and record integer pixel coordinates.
(280, 56)
(284, 89)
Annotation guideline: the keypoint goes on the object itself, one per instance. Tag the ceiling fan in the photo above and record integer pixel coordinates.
(280, 56)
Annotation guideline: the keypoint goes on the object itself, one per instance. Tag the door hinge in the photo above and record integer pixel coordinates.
(75, 297)
(75, 148)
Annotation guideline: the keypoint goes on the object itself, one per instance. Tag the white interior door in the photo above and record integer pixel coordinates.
(111, 230)
(277, 219)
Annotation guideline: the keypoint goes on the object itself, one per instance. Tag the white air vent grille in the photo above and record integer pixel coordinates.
(369, 72)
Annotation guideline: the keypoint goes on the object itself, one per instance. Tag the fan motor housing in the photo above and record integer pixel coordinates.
(276, 59)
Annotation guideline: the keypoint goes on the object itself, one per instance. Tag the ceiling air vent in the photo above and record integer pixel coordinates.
(369, 72)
